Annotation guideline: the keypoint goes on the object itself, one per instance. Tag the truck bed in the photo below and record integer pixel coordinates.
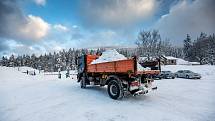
(121, 66)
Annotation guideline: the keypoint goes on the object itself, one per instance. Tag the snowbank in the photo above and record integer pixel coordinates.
(204, 70)
(25, 68)
(180, 61)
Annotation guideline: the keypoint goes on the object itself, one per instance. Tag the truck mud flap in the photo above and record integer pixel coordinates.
(154, 88)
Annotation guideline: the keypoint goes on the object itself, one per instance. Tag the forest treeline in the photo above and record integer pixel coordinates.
(149, 43)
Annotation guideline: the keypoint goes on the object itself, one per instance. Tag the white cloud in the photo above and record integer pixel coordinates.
(115, 13)
(35, 28)
(18, 26)
(60, 27)
(128, 11)
(40, 2)
(188, 18)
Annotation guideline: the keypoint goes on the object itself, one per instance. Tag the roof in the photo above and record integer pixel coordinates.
(170, 58)
(146, 58)
(142, 58)
(194, 63)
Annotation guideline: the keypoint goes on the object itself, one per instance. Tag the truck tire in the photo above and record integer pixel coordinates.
(187, 77)
(83, 82)
(115, 89)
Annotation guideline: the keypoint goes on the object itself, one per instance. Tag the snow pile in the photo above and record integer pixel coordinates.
(108, 56)
(180, 61)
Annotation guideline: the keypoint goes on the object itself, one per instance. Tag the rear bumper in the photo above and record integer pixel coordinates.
(144, 91)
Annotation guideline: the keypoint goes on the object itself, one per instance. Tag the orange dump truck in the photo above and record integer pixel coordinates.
(122, 76)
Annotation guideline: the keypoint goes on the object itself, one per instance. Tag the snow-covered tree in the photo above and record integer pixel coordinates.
(187, 48)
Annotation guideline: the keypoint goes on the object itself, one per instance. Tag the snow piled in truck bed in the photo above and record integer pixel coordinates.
(113, 55)
(108, 56)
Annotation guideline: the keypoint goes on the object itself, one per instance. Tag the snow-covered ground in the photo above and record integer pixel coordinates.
(46, 98)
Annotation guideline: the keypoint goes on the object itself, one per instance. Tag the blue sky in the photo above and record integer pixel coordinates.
(58, 11)
(41, 26)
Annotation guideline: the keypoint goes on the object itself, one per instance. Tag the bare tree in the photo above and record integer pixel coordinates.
(147, 42)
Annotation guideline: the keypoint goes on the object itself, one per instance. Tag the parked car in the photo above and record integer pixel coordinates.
(187, 74)
(165, 75)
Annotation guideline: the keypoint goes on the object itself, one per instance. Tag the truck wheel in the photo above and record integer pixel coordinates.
(187, 77)
(83, 82)
(115, 89)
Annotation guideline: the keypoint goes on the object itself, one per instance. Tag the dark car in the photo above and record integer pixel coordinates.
(165, 75)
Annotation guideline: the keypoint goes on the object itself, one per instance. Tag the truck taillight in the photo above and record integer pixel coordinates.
(135, 83)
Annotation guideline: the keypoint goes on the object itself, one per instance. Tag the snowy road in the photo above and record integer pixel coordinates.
(46, 98)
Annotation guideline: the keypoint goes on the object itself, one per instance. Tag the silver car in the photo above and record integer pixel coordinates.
(187, 74)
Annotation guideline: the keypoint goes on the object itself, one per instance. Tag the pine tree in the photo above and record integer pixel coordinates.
(187, 48)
